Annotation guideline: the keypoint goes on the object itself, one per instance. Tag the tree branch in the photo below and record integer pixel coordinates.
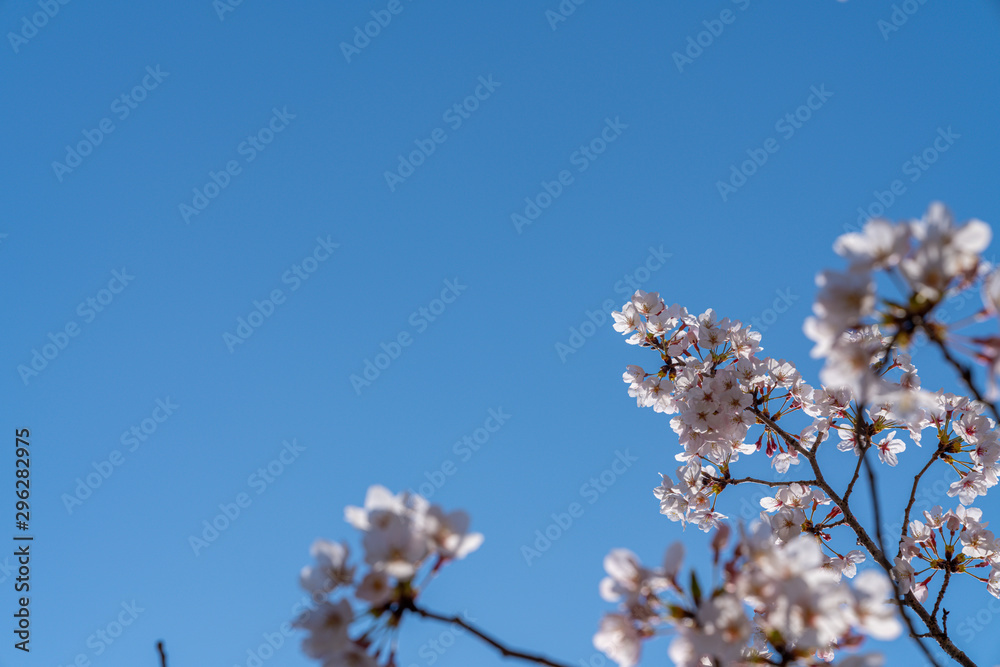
(163, 656)
(506, 652)
(876, 504)
(857, 472)
(913, 491)
(752, 480)
(865, 540)
(937, 603)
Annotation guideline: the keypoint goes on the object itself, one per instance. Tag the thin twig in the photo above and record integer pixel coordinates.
(937, 603)
(862, 443)
(876, 504)
(752, 480)
(506, 652)
(913, 492)
(163, 656)
(857, 471)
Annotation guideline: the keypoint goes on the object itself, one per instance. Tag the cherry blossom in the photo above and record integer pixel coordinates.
(880, 245)
(332, 568)
(943, 251)
(888, 447)
(627, 577)
(327, 625)
(618, 639)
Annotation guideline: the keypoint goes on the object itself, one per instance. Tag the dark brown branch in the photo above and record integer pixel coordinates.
(865, 540)
(752, 480)
(857, 471)
(913, 491)
(876, 504)
(944, 586)
(506, 652)
(163, 656)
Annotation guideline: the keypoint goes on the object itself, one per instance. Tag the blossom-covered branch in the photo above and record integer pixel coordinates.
(711, 376)
(786, 591)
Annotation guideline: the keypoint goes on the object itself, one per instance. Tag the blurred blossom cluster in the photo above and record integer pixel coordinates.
(403, 536)
(774, 601)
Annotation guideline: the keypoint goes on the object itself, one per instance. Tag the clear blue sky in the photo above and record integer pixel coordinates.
(291, 139)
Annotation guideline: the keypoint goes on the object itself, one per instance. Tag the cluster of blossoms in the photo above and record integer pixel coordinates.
(929, 259)
(967, 546)
(710, 377)
(718, 386)
(403, 536)
(776, 603)
(782, 597)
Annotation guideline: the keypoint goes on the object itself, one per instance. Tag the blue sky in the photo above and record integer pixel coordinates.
(182, 165)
